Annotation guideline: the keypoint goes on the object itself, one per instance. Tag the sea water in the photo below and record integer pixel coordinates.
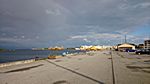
(16, 55)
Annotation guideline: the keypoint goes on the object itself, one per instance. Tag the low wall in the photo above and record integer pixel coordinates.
(16, 63)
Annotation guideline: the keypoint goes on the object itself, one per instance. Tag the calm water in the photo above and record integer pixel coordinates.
(9, 56)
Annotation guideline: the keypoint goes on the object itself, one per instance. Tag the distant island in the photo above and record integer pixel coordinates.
(50, 48)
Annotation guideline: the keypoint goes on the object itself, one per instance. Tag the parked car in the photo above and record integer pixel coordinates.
(130, 50)
(143, 51)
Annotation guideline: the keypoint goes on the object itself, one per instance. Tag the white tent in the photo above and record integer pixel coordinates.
(126, 46)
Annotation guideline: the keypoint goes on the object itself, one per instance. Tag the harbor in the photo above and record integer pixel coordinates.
(94, 67)
(74, 41)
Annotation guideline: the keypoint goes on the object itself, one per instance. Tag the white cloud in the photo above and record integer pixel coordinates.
(86, 40)
(142, 5)
(23, 37)
(8, 39)
(37, 37)
(78, 36)
(97, 36)
(53, 12)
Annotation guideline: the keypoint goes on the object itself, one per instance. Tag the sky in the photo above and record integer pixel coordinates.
(72, 23)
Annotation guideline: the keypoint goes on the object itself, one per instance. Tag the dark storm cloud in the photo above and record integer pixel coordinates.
(44, 23)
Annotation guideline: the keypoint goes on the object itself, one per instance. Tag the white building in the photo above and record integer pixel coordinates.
(126, 46)
(98, 47)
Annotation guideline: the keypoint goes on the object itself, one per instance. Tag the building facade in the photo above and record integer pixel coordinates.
(140, 46)
(95, 47)
(147, 44)
(125, 46)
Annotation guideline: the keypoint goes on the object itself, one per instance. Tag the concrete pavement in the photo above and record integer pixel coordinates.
(91, 68)
(127, 68)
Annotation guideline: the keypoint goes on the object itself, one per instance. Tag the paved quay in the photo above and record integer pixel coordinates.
(92, 68)
(131, 68)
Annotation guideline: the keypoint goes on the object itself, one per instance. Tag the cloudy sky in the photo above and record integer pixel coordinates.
(46, 23)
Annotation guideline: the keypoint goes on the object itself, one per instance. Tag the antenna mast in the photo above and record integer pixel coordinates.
(125, 39)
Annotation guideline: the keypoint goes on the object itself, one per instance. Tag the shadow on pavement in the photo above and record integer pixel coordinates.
(23, 69)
